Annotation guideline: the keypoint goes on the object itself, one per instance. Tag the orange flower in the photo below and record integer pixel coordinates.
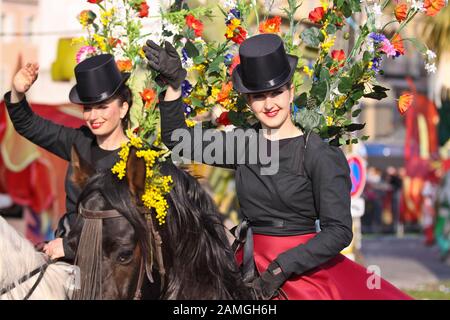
(397, 42)
(270, 26)
(404, 102)
(224, 92)
(124, 65)
(113, 42)
(195, 24)
(433, 7)
(149, 96)
(401, 12)
(236, 60)
(316, 15)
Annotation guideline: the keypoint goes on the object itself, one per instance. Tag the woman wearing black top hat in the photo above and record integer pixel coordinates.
(106, 100)
(280, 210)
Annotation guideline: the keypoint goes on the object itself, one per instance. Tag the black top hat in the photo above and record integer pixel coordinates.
(264, 64)
(98, 79)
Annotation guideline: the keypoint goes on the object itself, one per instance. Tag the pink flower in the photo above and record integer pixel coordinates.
(85, 52)
(388, 48)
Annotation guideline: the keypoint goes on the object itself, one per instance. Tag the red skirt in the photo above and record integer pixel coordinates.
(338, 279)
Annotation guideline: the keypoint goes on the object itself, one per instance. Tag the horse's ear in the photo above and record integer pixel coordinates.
(136, 174)
(82, 170)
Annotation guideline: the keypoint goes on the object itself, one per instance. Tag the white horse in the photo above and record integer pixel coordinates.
(18, 260)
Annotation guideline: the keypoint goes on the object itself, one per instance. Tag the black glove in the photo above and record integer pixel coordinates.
(167, 62)
(268, 284)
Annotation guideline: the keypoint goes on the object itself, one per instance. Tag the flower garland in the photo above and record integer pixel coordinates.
(157, 186)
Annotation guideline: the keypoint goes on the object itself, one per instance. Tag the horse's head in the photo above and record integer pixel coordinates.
(195, 260)
(110, 236)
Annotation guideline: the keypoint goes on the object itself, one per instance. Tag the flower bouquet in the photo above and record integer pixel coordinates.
(339, 79)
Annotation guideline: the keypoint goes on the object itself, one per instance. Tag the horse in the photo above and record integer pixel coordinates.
(124, 254)
(28, 274)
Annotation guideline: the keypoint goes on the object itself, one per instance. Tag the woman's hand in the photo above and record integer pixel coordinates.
(23, 80)
(54, 249)
(167, 62)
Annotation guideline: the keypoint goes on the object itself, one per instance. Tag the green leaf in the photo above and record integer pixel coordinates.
(355, 127)
(198, 59)
(331, 29)
(308, 119)
(215, 66)
(376, 95)
(355, 5)
(311, 37)
(345, 85)
(346, 9)
(339, 3)
(340, 111)
(356, 112)
(190, 34)
(191, 50)
(319, 90)
(357, 95)
(196, 102)
(324, 75)
(356, 72)
(367, 56)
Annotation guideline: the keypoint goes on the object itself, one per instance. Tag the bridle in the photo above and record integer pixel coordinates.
(41, 270)
(110, 214)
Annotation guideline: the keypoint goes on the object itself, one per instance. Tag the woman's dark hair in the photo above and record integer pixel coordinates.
(124, 94)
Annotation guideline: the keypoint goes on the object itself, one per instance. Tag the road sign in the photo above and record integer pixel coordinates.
(357, 174)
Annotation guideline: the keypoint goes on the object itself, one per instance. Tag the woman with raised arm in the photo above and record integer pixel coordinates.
(106, 99)
(294, 260)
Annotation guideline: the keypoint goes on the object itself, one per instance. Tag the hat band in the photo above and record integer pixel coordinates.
(269, 83)
(100, 97)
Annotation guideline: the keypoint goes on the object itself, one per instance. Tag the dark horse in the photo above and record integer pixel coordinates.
(188, 257)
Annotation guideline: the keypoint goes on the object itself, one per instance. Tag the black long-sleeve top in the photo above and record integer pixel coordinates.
(294, 196)
(59, 140)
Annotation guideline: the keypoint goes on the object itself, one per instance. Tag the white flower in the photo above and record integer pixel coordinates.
(189, 63)
(118, 31)
(368, 45)
(430, 67)
(418, 6)
(430, 54)
(229, 3)
(377, 9)
(172, 28)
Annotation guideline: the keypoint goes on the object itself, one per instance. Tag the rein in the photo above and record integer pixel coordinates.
(41, 270)
(108, 214)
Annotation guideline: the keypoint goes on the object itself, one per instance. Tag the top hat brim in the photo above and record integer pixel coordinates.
(239, 86)
(75, 98)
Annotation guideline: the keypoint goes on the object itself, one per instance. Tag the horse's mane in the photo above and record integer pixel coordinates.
(198, 260)
(205, 265)
(18, 257)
